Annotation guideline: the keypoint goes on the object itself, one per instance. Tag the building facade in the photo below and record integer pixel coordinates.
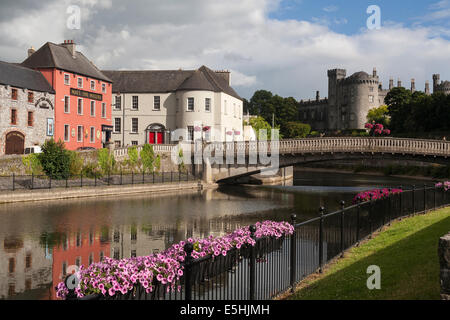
(349, 100)
(27, 103)
(82, 94)
(438, 86)
(149, 106)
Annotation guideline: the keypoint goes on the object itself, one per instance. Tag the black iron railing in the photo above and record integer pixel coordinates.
(274, 266)
(32, 182)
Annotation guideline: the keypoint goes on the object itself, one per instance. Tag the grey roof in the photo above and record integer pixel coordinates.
(22, 77)
(361, 75)
(52, 55)
(161, 81)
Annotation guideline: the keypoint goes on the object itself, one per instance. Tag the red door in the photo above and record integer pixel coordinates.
(160, 139)
(151, 138)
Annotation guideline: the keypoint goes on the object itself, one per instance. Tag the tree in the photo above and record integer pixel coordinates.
(398, 102)
(258, 124)
(379, 115)
(106, 160)
(148, 158)
(55, 159)
(297, 130)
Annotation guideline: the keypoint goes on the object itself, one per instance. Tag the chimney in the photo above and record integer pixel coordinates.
(224, 74)
(317, 95)
(70, 45)
(374, 72)
(427, 87)
(391, 83)
(413, 85)
(399, 83)
(31, 51)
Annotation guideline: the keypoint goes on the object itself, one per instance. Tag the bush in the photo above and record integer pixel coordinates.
(32, 164)
(76, 163)
(148, 158)
(90, 170)
(106, 161)
(296, 130)
(55, 159)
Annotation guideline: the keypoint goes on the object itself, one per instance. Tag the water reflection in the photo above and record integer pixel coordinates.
(40, 241)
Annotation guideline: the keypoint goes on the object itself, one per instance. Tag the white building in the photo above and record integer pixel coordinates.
(148, 106)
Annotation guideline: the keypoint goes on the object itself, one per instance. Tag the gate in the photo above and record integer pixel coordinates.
(15, 142)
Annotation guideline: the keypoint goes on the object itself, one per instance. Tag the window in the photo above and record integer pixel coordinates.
(225, 107)
(190, 133)
(91, 258)
(30, 97)
(116, 144)
(134, 125)
(117, 125)
(28, 284)
(234, 110)
(78, 239)
(66, 132)
(30, 118)
(103, 87)
(156, 103)
(80, 82)
(64, 268)
(135, 104)
(28, 260)
(118, 104)
(133, 235)
(133, 253)
(80, 133)
(66, 104)
(103, 110)
(190, 105)
(92, 85)
(371, 89)
(92, 108)
(66, 79)
(101, 256)
(14, 94)
(13, 116)
(12, 265)
(370, 98)
(134, 143)
(78, 261)
(207, 104)
(116, 254)
(80, 106)
(92, 134)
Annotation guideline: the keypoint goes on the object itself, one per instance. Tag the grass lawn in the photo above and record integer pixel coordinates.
(406, 253)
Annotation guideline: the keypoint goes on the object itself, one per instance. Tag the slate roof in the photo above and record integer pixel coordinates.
(52, 55)
(161, 81)
(22, 77)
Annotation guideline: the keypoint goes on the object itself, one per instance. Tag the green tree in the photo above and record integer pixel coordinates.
(32, 164)
(133, 157)
(148, 158)
(106, 160)
(379, 115)
(55, 159)
(258, 124)
(297, 129)
(398, 101)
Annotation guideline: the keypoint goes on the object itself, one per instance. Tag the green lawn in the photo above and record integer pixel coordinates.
(406, 253)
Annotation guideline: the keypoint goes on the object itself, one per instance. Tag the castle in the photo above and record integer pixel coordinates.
(350, 99)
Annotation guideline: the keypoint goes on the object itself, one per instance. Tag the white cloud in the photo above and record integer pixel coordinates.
(331, 8)
(287, 57)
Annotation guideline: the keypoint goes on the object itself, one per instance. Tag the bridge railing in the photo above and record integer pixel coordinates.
(275, 265)
(349, 144)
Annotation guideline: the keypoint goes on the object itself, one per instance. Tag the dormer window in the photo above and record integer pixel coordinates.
(66, 79)
(103, 88)
(80, 82)
(92, 85)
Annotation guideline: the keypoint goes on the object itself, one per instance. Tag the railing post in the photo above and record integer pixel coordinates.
(49, 182)
(414, 198)
(81, 179)
(342, 227)
(153, 176)
(293, 258)
(14, 182)
(121, 177)
(32, 181)
(162, 177)
(171, 176)
(252, 229)
(132, 177)
(109, 177)
(357, 222)
(370, 217)
(321, 211)
(188, 248)
(424, 198)
(95, 179)
(67, 181)
(401, 208)
(143, 176)
(389, 209)
(434, 197)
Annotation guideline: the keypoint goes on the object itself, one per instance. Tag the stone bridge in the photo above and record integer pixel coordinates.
(218, 161)
(266, 157)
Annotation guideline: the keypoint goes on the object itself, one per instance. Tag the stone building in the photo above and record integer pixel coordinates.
(349, 100)
(149, 105)
(439, 86)
(26, 108)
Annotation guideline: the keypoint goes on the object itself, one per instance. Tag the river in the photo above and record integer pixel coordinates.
(42, 241)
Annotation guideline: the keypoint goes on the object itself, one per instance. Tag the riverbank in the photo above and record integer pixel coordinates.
(100, 191)
(369, 173)
(406, 253)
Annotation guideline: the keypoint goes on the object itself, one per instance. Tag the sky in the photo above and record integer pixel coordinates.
(284, 46)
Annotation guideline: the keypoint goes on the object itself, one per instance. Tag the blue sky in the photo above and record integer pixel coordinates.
(349, 16)
(285, 46)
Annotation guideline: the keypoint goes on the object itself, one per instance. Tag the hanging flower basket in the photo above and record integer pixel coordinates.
(206, 128)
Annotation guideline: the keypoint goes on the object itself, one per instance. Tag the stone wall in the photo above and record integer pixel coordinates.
(444, 262)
